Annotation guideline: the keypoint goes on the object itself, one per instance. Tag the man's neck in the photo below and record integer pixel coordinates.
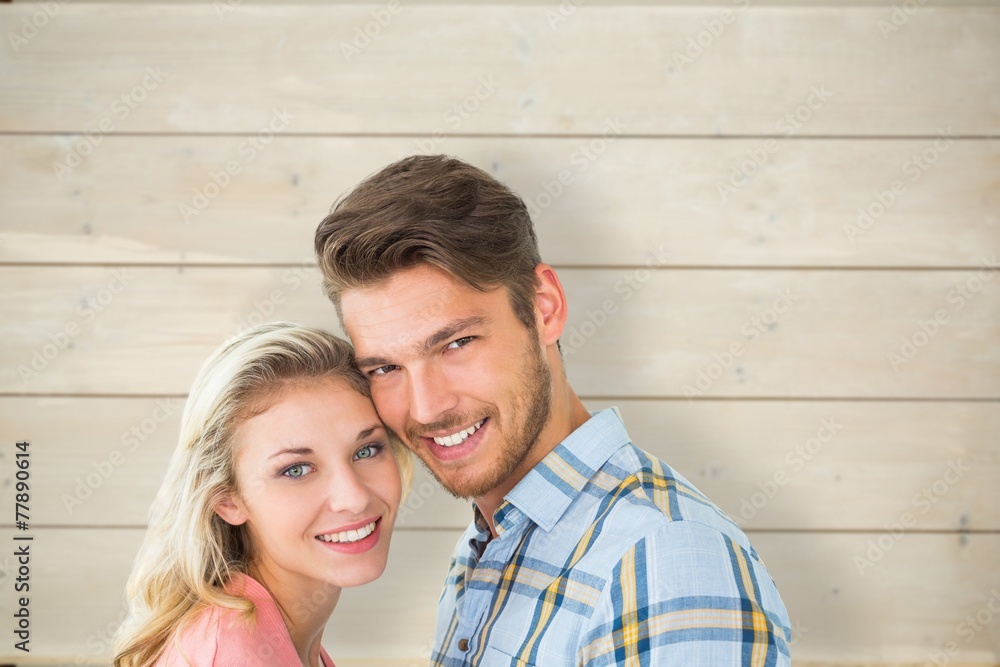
(568, 414)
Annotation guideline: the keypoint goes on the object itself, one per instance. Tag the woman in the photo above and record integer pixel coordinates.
(283, 489)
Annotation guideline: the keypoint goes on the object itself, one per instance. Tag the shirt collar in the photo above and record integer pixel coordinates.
(550, 487)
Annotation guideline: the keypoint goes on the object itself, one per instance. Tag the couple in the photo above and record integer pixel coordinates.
(294, 454)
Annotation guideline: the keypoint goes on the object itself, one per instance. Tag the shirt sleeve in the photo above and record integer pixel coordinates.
(688, 594)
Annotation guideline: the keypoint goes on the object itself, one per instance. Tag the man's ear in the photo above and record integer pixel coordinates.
(550, 299)
(231, 510)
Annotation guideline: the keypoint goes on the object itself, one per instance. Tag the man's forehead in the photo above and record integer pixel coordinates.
(406, 308)
(397, 297)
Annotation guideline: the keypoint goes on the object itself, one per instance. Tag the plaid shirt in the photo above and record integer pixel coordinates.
(606, 556)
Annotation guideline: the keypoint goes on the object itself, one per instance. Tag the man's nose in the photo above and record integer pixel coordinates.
(431, 395)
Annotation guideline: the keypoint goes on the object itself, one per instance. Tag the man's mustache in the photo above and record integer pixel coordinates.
(450, 425)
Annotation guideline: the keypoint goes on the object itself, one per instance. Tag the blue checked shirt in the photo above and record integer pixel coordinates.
(606, 556)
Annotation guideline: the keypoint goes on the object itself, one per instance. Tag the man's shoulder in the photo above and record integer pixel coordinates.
(638, 481)
(644, 497)
(671, 541)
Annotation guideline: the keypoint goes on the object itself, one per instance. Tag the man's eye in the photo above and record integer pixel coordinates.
(461, 342)
(383, 370)
(296, 471)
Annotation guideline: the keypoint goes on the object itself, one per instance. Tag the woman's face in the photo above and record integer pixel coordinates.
(319, 487)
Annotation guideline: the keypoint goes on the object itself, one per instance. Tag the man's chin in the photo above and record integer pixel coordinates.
(464, 489)
(465, 485)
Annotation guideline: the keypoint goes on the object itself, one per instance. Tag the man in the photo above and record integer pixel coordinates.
(584, 549)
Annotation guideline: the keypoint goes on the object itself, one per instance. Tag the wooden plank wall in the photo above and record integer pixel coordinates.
(778, 228)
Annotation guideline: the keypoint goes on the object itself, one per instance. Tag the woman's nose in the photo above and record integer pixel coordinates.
(347, 492)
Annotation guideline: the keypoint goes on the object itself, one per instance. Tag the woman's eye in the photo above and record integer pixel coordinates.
(368, 451)
(461, 342)
(297, 470)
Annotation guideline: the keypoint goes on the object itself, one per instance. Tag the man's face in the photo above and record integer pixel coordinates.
(453, 373)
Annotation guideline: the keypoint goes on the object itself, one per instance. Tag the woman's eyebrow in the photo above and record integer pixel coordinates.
(366, 433)
(299, 451)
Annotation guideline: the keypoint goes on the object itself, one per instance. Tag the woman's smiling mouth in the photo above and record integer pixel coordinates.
(349, 535)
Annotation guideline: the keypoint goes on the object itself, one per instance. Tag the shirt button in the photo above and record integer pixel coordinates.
(463, 644)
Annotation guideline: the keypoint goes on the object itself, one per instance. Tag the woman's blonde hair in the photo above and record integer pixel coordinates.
(189, 552)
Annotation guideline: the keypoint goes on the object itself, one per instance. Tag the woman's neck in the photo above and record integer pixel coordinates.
(305, 607)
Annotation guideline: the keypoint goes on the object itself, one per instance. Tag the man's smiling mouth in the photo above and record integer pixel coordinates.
(459, 437)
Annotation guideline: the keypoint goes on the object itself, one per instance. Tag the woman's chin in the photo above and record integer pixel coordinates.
(360, 576)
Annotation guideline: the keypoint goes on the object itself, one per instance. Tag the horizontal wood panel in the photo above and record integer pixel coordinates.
(761, 65)
(813, 202)
(631, 332)
(99, 461)
(598, 3)
(893, 612)
(671, 335)
(735, 450)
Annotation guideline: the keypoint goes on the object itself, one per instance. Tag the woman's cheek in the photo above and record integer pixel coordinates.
(392, 483)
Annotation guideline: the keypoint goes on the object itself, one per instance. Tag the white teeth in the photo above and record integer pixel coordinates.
(460, 437)
(349, 535)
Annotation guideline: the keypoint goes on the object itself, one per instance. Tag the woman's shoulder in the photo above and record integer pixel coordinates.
(197, 642)
(222, 637)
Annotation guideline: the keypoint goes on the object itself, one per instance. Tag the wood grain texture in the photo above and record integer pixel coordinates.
(631, 332)
(812, 202)
(599, 3)
(99, 461)
(736, 170)
(893, 612)
(532, 77)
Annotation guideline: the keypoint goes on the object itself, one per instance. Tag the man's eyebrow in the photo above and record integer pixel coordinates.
(371, 362)
(435, 339)
(450, 331)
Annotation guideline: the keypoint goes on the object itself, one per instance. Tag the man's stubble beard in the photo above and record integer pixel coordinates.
(534, 402)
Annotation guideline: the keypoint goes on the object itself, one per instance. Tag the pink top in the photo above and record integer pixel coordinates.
(217, 638)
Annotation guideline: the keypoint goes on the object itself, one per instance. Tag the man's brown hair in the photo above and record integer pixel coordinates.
(437, 210)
